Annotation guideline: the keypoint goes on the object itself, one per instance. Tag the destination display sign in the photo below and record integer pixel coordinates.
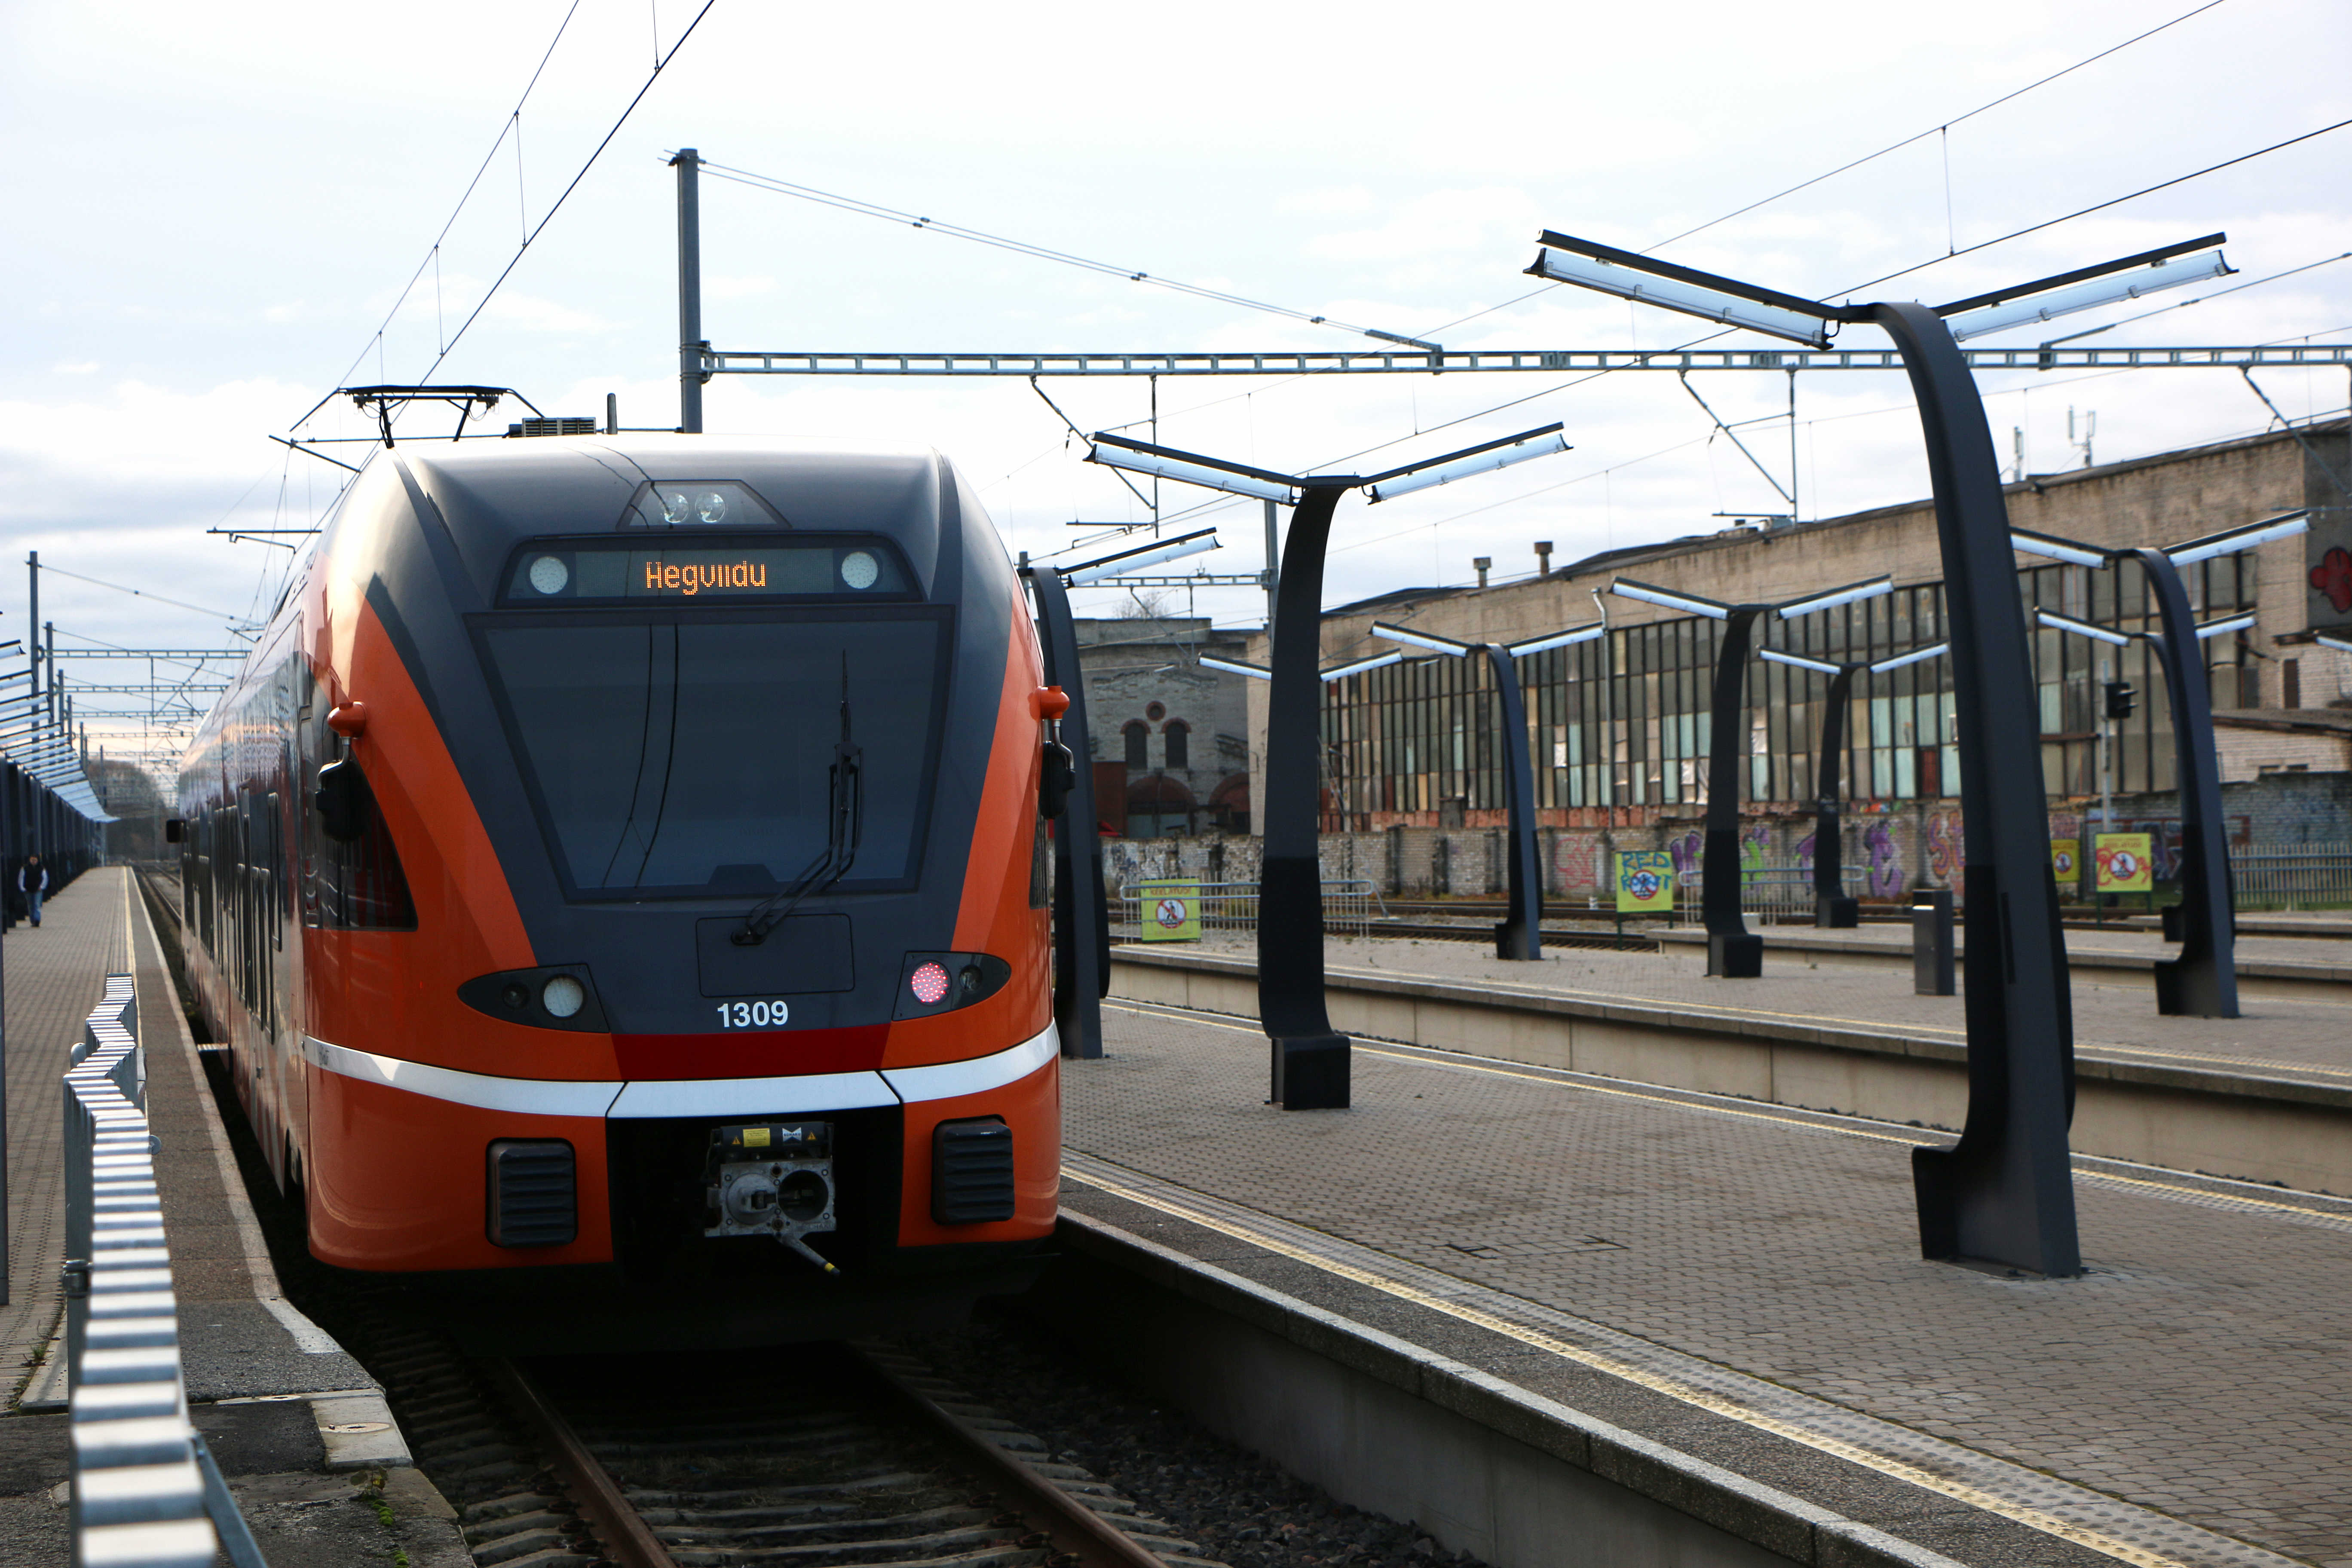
(704, 573)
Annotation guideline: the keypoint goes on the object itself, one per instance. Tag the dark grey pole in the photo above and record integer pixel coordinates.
(1081, 921)
(1273, 566)
(2003, 1194)
(1520, 935)
(2202, 983)
(1832, 906)
(690, 291)
(1310, 1062)
(8, 842)
(1731, 951)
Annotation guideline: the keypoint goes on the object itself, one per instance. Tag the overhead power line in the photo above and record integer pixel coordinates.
(511, 125)
(1044, 253)
(660, 65)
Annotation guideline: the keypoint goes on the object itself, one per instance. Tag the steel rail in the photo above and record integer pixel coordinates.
(625, 1535)
(1073, 1526)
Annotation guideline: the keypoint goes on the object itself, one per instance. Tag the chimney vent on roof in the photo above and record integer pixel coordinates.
(1543, 557)
(1482, 563)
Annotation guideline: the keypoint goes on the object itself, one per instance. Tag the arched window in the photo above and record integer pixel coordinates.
(1138, 735)
(1178, 744)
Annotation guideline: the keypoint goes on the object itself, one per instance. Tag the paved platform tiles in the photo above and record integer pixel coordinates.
(2191, 1395)
(2114, 1014)
(252, 1364)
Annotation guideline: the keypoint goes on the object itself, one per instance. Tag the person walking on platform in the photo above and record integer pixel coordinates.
(33, 880)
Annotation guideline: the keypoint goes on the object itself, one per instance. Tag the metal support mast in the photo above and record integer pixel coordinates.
(690, 346)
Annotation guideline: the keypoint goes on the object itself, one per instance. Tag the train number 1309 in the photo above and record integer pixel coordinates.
(752, 1014)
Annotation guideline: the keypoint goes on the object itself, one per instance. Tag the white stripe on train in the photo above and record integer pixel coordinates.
(789, 1095)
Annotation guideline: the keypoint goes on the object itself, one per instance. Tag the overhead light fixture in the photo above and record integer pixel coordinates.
(1877, 587)
(1471, 460)
(1625, 588)
(1558, 639)
(1798, 660)
(2056, 622)
(1378, 661)
(2112, 289)
(2227, 624)
(1421, 639)
(2056, 549)
(1234, 667)
(1916, 655)
(1191, 469)
(2230, 541)
(1142, 556)
(1630, 276)
(2341, 645)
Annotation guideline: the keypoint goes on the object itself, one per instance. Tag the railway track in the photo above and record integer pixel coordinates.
(818, 1454)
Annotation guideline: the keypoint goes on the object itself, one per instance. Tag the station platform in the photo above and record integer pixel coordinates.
(301, 1432)
(1724, 1283)
(2308, 1036)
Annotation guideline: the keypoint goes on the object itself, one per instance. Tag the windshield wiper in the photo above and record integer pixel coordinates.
(845, 821)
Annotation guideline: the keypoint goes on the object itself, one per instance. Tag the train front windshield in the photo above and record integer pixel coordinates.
(693, 757)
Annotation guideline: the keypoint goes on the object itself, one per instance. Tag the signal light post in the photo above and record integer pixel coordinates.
(1310, 1060)
(2005, 1192)
(2202, 983)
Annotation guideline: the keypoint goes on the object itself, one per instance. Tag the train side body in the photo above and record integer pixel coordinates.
(474, 844)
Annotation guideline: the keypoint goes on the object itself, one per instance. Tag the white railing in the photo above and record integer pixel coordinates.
(1349, 906)
(146, 1492)
(1769, 895)
(2310, 876)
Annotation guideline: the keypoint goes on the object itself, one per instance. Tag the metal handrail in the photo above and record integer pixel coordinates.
(146, 1491)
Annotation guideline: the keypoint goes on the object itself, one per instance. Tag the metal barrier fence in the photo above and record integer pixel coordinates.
(1769, 895)
(146, 1491)
(1349, 906)
(2313, 877)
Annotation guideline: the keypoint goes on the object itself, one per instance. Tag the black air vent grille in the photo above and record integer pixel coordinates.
(532, 1200)
(971, 1172)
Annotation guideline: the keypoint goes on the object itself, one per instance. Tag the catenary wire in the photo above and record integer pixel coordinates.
(770, 183)
(432, 251)
(515, 260)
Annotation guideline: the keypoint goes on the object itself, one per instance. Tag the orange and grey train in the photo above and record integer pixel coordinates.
(622, 865)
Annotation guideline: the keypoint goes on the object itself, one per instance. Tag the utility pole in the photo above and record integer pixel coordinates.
(33, 620)
(690, 346)
(1272, 571)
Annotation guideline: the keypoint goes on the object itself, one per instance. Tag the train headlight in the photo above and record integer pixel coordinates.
(860, 570)
(929, 983)
(549, 574)
(562, 997)
(711, 506)
(674, 506)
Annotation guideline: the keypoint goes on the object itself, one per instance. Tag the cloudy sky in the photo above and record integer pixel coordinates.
(220, 213)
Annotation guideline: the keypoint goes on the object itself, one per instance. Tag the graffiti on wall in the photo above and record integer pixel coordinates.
(1884, 874)
(1945, 854)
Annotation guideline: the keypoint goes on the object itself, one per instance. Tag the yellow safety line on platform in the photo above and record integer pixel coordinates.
(1705, 1399)
(1449, 1062)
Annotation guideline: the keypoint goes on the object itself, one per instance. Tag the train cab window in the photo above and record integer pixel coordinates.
(692, 756)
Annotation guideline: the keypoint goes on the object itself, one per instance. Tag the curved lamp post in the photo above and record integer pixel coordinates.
(1520, 935)
(1833, 907)
(1310, 1060)
(1081, 917)
(2005, 1192)
(2202, 983)
(1732, 951)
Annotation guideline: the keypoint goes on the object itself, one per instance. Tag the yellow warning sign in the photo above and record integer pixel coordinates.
(1171, 910)
(2066, 862)
(2127, 862)
(1645, 880)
